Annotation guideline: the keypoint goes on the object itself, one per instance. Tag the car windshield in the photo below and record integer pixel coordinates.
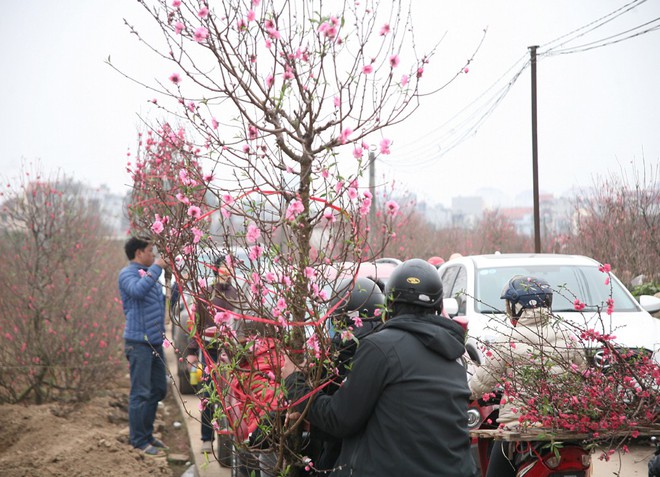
(569, 283)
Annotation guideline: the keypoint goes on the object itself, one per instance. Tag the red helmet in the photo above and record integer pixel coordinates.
(436, 261)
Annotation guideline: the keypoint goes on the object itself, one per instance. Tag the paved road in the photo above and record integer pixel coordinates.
(633, 464)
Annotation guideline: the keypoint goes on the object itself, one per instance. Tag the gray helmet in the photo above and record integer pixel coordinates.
(362, 297)
(415, 282)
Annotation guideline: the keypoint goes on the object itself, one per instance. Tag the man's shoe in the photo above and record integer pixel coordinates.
(158, 443)
(151, 450)
(207, 447)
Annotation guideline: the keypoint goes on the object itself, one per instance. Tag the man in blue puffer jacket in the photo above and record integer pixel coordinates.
(144, 306)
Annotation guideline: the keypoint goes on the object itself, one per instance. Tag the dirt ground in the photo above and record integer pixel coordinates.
(89, 439)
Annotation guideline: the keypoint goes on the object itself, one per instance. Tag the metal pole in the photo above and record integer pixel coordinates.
(372, 189)
(535, 157)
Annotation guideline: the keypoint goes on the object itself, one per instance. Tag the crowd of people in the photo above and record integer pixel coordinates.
(398, 396)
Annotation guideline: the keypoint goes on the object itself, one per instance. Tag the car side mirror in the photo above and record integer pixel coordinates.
(450, 305)
(473, 352)
(650, 303)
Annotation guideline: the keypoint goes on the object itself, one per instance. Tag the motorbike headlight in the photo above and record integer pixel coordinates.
(474, 418)
(553, 462)
(586, 460)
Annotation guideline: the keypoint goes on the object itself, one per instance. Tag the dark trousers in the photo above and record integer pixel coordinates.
(148, 386)
(207, 413)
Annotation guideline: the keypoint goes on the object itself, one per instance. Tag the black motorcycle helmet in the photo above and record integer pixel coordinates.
(415, 282)
(523, 293)
(361, 297)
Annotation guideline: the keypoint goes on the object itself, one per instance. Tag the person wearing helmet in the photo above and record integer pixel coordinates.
(402, 409)
(436, 261)
(533, 333)
(357, 309)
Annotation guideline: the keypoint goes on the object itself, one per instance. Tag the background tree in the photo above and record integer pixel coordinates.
(618, 222)
(62, 323)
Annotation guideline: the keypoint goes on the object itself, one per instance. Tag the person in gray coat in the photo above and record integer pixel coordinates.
(534, 337)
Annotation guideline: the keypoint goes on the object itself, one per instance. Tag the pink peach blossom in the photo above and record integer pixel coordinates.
(255, 252)
(253, 233)
(194, 211)
(328, 214)
(157, 227)
(391, 207)
(345, 133)
(385, 146)
(294, 209)
(201, 34)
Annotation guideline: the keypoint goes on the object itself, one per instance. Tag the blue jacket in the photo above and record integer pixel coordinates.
(144, 303)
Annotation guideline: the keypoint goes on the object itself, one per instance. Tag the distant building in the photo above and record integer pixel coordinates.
(466, 211)
(435, 214)
(108, 205)
(555, 216)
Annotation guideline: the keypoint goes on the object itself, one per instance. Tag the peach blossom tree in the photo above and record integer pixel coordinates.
(280, 102)
(61, 328)
(619, 219)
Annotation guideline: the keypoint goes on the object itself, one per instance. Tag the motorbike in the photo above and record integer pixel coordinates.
(530, 458)
(654, 463)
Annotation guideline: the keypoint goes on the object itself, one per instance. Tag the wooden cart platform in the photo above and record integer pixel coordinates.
(541, 434)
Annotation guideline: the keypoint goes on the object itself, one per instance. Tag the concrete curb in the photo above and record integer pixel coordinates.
(188, 405)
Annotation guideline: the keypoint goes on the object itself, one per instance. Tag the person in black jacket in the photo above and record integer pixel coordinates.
(402, 409)
(357, 311)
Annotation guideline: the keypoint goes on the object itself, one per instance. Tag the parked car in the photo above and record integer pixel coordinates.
(475, 283)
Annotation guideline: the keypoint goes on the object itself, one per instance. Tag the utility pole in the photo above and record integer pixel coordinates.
(535, 157)
(372, 189)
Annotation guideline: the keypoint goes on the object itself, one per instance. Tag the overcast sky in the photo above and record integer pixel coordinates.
(598, 110)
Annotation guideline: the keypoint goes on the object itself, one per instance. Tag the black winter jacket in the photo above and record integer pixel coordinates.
(402, 411)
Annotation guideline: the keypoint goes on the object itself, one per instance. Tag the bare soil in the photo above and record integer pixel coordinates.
(88, 439)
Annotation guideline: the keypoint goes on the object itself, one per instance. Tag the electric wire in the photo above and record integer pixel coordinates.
(460, 126)
(581, 31)
(610, 40)
(467, 121)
